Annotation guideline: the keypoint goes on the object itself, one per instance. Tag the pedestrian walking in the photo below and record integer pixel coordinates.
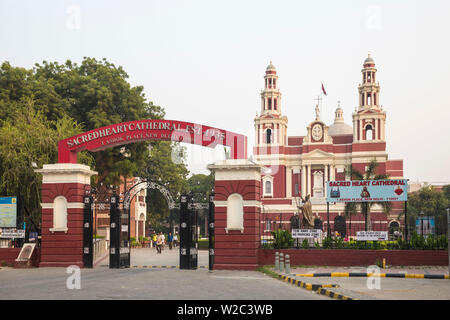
(170, 240)
(175, 239)
(163, 240)
(154, 238)
(159, 242)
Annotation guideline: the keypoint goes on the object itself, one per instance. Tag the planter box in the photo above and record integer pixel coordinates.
(9, 255)
(346, 257)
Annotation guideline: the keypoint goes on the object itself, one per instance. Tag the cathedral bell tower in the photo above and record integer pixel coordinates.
(270, 125)
(369, 118)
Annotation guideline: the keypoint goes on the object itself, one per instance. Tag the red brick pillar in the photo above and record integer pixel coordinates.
(63, 188)
(237, 214)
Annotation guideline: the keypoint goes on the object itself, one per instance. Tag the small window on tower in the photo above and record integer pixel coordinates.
(369, 132)
(270, 104)
(268, 136)
(274, 83)
(274, 104)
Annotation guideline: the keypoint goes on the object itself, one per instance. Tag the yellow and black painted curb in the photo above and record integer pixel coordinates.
(332, 294)
(318, 288)
(381, 275)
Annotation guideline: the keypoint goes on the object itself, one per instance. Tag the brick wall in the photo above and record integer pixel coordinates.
(330, 257)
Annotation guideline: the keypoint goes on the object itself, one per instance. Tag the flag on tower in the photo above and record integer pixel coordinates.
(323, 89)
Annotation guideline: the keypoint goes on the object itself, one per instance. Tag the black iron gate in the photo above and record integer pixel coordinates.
(188, 235)
(119, 254)
(88, 254)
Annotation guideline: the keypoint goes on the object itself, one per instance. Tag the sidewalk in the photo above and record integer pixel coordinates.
(371, 288)
(148, 257)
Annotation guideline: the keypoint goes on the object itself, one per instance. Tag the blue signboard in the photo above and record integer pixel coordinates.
(367, 190)
(8, 212)
(425, 226)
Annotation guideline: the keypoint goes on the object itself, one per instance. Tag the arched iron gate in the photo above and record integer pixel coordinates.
(120, 216)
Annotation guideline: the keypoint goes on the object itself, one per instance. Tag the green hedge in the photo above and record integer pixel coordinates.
(417, 242)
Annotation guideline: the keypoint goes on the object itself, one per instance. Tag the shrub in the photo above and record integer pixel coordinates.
(305, 244)
(282, 239)
(327, 243)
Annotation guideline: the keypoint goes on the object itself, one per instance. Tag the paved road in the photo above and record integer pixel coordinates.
(140, 283)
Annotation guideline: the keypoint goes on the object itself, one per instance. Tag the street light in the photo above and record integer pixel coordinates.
(421, 221)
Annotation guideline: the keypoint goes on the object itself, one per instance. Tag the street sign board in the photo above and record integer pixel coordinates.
(371, 235)
(367, 190)
(307, 233)
(8, 212)
(12, 233)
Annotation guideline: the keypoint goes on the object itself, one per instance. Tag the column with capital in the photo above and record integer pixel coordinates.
(308, 180)
(332, 172)
(303, 186)
(288, 182)
(325, 167)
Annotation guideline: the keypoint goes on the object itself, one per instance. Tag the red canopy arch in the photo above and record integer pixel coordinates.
(151, 129)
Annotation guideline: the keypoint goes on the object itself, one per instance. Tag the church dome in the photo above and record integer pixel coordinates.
(271, 67)
(369, 60)
(339, 127)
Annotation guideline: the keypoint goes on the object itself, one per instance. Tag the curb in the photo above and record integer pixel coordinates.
(333, 295)
(382, 275)
(317, 288)
(307, 286)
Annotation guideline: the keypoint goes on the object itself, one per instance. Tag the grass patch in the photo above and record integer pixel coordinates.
(267, 270)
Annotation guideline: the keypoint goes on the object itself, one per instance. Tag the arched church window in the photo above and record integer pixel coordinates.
(369, 132)
(269, 136)
(268, 187)
(270, 104)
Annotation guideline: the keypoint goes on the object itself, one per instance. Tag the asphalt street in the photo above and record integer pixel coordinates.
(148, 283)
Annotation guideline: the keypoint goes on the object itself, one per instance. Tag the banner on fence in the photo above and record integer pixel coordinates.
(367, 190)
(371, 235)
(307, 233)
(12, 233)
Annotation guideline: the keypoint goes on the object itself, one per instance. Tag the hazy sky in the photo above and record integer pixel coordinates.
(204, 61)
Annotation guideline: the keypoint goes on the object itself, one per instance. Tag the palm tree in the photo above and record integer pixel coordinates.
(351, 208)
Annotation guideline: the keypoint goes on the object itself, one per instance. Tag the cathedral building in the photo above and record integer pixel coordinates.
(296, 166)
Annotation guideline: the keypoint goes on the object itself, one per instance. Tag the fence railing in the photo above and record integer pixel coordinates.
(100, 248)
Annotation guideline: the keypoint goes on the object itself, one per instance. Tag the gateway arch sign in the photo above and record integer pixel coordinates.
(151, 129)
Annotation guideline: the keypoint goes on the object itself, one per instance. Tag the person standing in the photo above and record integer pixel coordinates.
(170, 240)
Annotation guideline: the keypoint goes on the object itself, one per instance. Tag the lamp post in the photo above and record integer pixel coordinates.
(448, 237)
(421, 222)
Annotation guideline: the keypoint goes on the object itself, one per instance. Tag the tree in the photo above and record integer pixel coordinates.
(94, 94)
(351, 208)
(432, 203)
(27, 137)
(161, 169)
(200, 187)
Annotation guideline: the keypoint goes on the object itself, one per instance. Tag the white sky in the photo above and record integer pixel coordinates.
(204, 61)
